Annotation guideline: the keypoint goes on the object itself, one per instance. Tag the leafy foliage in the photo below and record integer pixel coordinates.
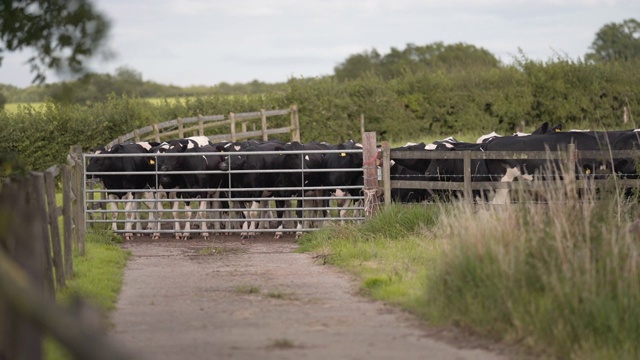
(433, 57)
(63, 33)
(616, 41)
(411, 95)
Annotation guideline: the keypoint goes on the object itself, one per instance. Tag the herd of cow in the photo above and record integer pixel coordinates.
(250, 175)
(245, 175)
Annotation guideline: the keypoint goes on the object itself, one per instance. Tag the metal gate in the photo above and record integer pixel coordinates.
(225, 210)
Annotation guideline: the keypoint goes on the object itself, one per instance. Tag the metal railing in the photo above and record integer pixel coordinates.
(226, 207)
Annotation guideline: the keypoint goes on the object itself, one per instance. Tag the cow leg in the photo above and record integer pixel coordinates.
(235, 213)
(156, 214)
(157, 217)
(280, 204)
(300, 215)
(358, 203)
(245, 224)
(186, 235)
(150, 203)
(130, 215)
(203, 217)
(252, 214)
(216, 215)
(113, 207)
(324, 203)
(176, 217)
(262, 215)
(342, 203)
(137, 215)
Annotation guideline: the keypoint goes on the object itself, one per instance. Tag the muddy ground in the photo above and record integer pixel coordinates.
(223, 299)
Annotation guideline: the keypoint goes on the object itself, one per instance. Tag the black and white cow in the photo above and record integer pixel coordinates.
(301, 172)
(258, 174)
(347, 183)
(452, 170)
(126, 187)
(506, 170)
(192, 182)
(543, 129)
(168, 189)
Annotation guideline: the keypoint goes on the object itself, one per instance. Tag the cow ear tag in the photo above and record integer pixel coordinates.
(343, 154)
(557, 130)
(152, 162)
(588, 171)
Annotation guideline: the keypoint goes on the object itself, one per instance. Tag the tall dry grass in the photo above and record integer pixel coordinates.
(558, 275)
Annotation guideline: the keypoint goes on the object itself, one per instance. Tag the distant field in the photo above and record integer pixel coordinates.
(13, 107)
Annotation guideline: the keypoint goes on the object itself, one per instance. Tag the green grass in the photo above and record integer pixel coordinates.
(390, 253)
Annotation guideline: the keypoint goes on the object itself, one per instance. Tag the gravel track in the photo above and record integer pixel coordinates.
(224, 299)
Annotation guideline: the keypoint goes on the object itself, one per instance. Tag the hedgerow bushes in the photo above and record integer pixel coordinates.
(412, 106)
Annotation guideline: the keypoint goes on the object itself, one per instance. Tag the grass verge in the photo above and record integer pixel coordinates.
(391, 253)
(560, 278)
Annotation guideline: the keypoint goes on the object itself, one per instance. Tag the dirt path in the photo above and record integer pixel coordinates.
(258, 301)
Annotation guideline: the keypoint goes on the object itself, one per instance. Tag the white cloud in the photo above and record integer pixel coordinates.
(209, 41)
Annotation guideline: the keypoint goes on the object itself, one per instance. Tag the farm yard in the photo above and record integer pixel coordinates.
(497, 241)
(549, 271)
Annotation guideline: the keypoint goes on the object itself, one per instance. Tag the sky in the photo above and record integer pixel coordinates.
(206, 42)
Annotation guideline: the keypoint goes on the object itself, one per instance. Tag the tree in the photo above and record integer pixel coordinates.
(616, 41)
(63, 33)
(357, 65)
(413, 59)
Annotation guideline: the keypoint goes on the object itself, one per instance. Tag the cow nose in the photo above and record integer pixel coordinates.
(163, 168)
(223, 166)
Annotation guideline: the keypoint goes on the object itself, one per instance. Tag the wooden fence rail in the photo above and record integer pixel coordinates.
(183, 127)
(568, 157)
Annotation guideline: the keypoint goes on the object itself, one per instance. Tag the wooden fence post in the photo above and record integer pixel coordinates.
(370, 170)
(362, 125)
(39, 207)
(386, 172)
(78, 197)
(232, 118)
(54, 228)
(22, 238)
(180, 128)
(466, 160)
(295, 124)
(263, 123)
(156, 132)
(200, 125)
(67, 181)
